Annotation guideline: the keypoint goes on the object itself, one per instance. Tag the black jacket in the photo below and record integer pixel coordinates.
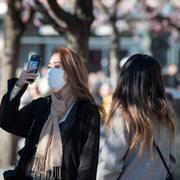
(80, 139)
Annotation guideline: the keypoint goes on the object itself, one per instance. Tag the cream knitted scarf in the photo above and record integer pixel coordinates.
(48, 158)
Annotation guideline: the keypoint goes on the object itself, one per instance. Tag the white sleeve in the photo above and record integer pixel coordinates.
(113, 151)
(14, 91)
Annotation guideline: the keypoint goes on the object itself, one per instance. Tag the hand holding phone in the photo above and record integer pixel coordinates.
(26, 77)
(30, 74)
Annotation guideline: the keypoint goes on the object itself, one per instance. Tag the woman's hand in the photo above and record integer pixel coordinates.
(26, 77)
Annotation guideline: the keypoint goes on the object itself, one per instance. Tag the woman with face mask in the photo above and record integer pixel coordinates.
(61, 130)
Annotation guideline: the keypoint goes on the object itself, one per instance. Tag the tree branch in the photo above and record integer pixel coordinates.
(115, 6)
(84, 10)
(174, 25)
(171, 23)
(31, 15)
(111, 12)
(56, 25)
(103, 7)
(61, 14)
(15, 12)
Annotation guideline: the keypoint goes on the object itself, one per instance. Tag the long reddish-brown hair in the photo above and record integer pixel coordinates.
(77, 72)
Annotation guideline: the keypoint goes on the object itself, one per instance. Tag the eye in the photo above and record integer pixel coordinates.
(57, 66)
(54, 66)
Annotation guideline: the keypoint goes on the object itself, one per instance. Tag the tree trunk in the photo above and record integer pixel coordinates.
(78, 40)
(10, 57)
(114, 55)
(12, 33)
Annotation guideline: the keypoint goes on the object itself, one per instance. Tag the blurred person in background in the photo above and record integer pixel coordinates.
(140, 121)
(94, 84)
(172, 79)
(61, 130)
(105, 92)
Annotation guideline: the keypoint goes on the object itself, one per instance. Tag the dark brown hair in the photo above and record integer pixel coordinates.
(140, 93)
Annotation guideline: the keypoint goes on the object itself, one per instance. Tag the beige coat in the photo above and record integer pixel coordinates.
(117, 162)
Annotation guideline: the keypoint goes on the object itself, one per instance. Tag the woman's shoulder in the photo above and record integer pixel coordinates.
(87, 105)
(41, 101)
(44, 99)
(119, 124)
(88, 112)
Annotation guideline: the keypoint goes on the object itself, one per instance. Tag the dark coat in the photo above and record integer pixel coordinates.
(80, 139)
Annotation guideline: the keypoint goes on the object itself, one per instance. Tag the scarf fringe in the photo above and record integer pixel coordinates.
(49, 175)
(39, 164)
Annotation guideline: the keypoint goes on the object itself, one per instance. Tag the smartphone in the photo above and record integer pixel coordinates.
(34, 62)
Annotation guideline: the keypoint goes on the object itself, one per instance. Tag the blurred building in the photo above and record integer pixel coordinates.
(37, 41)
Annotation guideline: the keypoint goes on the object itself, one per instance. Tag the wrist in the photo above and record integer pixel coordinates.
(18, 84)
(15, 91)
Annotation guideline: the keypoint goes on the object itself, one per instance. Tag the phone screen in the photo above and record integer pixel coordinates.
(34, 62)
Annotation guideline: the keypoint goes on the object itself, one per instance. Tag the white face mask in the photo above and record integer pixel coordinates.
(56, 79)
